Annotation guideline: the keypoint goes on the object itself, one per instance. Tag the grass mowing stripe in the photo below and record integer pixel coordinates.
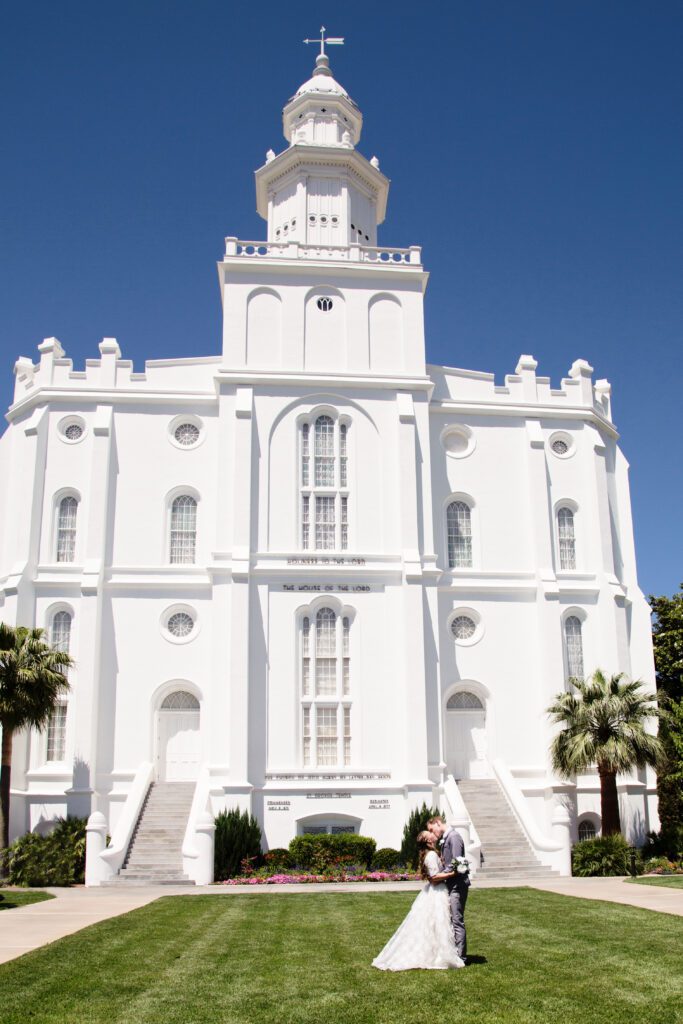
(289, 959)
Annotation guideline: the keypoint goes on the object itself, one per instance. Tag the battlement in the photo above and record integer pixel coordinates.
(523, 387)
(109, 372)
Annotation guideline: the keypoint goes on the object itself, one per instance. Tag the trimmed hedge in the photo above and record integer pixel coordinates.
(606, 855)
(58, 858)
(238, 839)
(386, 859)
(318, 852)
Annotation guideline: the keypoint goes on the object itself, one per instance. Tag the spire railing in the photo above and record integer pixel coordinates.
(235, 247)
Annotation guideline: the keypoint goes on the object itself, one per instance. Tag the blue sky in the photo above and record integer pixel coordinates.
(535, 150)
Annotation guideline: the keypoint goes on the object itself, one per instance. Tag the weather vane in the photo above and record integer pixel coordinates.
(331, 41)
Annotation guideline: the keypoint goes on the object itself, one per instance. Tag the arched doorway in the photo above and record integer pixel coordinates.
(466, 736)
(178, 746)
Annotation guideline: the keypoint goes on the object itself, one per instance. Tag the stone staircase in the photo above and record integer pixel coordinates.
(155, 853)
(506, 852)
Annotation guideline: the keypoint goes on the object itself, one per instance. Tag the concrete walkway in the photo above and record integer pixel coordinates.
(26, 928)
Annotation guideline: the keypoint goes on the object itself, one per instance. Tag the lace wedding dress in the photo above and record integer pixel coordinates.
(425, 938)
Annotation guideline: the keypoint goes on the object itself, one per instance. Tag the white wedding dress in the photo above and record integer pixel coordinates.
(425, 938)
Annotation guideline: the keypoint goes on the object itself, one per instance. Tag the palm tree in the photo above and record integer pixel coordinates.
(32, 678)
(604, 723)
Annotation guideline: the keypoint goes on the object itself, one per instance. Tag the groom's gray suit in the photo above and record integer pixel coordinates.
(458, 887)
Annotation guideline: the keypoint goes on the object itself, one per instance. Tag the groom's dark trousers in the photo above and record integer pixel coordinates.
(458, 888)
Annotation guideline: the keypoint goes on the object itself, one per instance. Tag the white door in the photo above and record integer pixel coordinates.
(178, 740)
(466, 737)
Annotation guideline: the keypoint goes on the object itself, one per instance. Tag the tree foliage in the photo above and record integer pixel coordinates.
(238, 838)
(32, 679)
(604, 723)
(667, 636)
(416, 823)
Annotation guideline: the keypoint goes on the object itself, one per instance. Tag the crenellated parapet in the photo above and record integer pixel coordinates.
(54, 373)
(577, 390)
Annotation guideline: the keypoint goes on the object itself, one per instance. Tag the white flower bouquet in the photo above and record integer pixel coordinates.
(460, 865)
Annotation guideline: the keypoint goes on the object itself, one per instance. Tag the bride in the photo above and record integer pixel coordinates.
(425, 938)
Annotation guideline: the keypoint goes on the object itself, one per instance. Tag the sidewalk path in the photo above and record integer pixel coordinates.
(27, 928)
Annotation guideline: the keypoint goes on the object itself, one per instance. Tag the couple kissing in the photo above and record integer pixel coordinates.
(432, 936)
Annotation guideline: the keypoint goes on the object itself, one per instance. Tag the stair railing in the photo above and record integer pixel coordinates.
(553, 852)
(198, 841)
(111, 859)
(460, 820)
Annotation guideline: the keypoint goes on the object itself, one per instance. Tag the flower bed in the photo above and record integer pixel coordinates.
(309, 879)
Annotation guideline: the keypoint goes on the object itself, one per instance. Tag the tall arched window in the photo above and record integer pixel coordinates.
(459, 527)
(60, 638)
(60, 631)
(324, 484)
(183, 529)
(66, 529)
(573, 643)
(326, 689)
(566, 540)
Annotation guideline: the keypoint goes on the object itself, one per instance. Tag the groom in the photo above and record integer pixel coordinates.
(452, 846)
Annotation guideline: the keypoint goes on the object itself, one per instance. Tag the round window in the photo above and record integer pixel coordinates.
(463, 627)
(324, 304)
(561, 445)
(180, 624)
(72, 429)
(458, 442)
(186, 434)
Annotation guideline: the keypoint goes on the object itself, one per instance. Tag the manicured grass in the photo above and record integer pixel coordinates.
(11, 898)
(670, 881)
(537, 958)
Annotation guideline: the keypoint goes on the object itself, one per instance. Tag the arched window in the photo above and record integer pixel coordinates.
(324, 484)
(180, 700)
(565, 536)
(60, 639)
(183, 529)
(326, 689)
(60, 631)
(459, 527)
(464, 701)
(586, 830)
(66, 529)
(573, 643)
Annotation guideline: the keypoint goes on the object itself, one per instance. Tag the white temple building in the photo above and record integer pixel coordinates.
(314, 576)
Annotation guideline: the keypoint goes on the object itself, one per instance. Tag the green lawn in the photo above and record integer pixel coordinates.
(670, 881)
(11, 898)
(537, 958)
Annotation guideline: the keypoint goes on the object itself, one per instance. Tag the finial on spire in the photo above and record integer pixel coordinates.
(331, 41)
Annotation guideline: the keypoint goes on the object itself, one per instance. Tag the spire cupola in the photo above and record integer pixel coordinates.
(321, 190)
(321, 112)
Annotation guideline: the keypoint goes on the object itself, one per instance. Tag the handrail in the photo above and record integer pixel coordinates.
(462, 820)
(521, 812)
(199, 804)
(115, 853)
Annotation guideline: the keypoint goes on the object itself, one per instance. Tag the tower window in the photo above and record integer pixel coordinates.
(324, 304)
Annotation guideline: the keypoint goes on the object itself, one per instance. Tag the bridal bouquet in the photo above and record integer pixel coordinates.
(460, 865)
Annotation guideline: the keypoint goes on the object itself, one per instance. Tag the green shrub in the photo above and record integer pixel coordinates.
(417, 822)
(606, 855)
(667, 843)
(660, 865)
(278, 858)
(55, 859)
(319, 853)
(238, 839)
(386, 859)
